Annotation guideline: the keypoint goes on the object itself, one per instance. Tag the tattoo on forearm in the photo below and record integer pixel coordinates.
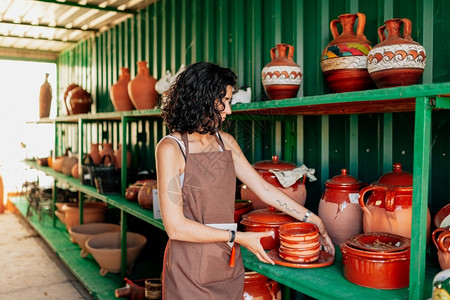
(290, 210)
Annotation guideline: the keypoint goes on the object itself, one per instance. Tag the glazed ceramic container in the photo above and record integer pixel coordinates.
(259, 287)
(299, 242)
(145, 195)
(45, 98)
(81, 233)
(441, 239)
(297, 191)
(66, 93)
(389, 206)
(442, 217)
(131, 193)
(79, 101)
(339, 207)
(241, 207)
(119, 92)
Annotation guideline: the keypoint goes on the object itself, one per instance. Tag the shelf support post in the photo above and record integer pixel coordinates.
(421, 170)
(123, 239)
(124, 166)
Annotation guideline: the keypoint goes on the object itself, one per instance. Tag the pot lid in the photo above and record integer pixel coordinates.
(379, 242)
(397, 177)
(267, 216)
(343, 180)
(274, 164)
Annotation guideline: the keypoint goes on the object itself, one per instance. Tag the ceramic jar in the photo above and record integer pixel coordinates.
(397, 60)
(78, 101)
(344, 60)
(95, 153)
(389, 206)
(281, 77)
(131, 193)
(45, 98)
(66, 93)
(145, 195)
(267, 219)
(442, 217)
(107, 154)
(297, 191)
(119, 92)
(441, 239)
(259, 287)
(142, 88)
(118, 157)
(339, 207)
(241, 207)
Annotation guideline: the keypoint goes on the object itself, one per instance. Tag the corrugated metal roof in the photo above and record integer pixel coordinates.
(54, 25)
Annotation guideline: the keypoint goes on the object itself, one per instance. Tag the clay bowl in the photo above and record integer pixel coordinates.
(299, 258)
(314, 250)
(93, 212)
(299, 232)
(299, 245)
(81, 233)
(105, 248)
(379, 242)
(442, 217)
(61, 216)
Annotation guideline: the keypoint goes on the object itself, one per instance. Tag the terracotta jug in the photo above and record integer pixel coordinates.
(389, 207)
(281, 77)
(45, 98)
(396, 60)
(344, 60)
(119, 92)
(441, 239)
(118, 157)
(79, 101)
(339, 207)
(142, 88)
(107, 154)
(95, 153)
(257, 286)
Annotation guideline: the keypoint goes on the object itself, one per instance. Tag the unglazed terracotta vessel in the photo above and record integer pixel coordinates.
(93, 212)
(142, 88)
(389, 207)
(118, 157)
(259, 287)
(441, 239)
(344, 60)
(119, 92)
(107, 154)
(45, 98)
(81, 233)
(95, 153)
(397, 60)
(281, 77)
(339, 207)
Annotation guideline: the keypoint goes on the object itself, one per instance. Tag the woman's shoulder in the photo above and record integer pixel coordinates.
(228, 139)
(169, 144)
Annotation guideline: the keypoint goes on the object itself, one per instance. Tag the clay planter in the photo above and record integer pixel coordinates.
(142, 88)
(344, 60)
(79, 101)
(441, 239)
(442, 217)
(81, 233)
(105, 248)
(261, 220)
(259, 287)
(241, 207)
(396, 60)
(389, 206)
(339, 207)
(281, 77)
(93, 212)
(145, 196)
(297, 191)
(45, 98)
(119, 92)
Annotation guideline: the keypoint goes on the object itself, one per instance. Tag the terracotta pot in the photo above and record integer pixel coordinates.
(297, 191)
(142, 88)
(299, 242)
(93, 212)
(66, 93)
(68, 163)
(106, 250)
(95, 153)
(45, 98)
(132, 191)
(442, 217)
(107, 156)
(79, 101)
(241, 207)
(396, 60)
(118, 157)
(145, 196)
(75, 171)
(261, 220)
(281, 77)
(344, 60)
(58, 162)
(259, 287)
(81, 233)
(339, 207)
(389, 206)
(119, 92)
(441, 239)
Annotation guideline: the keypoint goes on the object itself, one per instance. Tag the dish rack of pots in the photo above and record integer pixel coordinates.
(123, 128)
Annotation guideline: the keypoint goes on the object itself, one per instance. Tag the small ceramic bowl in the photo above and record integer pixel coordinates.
(303, 252)
(298, 231)
(299, 258)
(299, 245)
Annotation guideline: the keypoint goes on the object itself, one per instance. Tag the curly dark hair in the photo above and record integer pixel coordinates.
(191, 104)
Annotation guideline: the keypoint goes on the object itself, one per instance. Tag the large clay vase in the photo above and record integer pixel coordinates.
(45, 98)
(119, 92)
(396, 60)
(281, 77)
(339, 207)
(95, 153)
(79, 101)
(259, 287)
(142, 88)
(344, 60)
(107, 154)
(118, 157)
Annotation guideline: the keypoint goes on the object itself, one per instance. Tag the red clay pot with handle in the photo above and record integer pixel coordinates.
(441, 239)
(257, 286)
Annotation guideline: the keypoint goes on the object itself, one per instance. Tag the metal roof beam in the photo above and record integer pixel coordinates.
(36, 38)
(46, 26)
(90, 6)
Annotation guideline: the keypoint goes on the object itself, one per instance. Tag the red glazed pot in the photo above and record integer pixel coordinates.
(142, 88)
(119, 92)
(261, 220)
(79, 101)
(257, 286)
(442, 217)
(145, 195)
(297, 191)
(339, 207)
(389, 207)
(441, 239)
(66, 93)
(241, 207)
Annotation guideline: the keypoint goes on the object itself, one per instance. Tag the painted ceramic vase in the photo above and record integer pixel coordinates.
(119, 92)
(397, 60)
(344, 60)
(281, 77)
(339, 207)
(142, 88)
(45, 98)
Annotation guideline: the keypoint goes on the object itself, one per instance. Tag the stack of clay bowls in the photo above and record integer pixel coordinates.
(299, 242)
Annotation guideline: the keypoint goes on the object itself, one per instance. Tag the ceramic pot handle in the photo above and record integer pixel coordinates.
(272, 286)
(435, 233)
(361, 198)
(407, 29)
(333, 28)
(361, 24)
(273, 53)
(291, 50)
(381, 33)
(440, 240)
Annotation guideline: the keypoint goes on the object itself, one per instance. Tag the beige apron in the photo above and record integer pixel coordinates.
(197, 270)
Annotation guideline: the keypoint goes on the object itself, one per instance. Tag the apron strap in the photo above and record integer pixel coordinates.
(219, 140)
(184, 138)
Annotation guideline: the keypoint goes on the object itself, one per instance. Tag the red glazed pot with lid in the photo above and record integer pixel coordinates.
(297, 191)
(389, 206)
(339, 207)
(257, 286)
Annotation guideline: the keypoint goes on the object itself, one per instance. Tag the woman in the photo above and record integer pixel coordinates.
(197, 165)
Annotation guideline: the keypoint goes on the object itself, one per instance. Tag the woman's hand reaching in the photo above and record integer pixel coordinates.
(252, 241)
(325, 240)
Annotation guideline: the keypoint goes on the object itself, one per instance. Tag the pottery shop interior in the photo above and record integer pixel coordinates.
(342, 105)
